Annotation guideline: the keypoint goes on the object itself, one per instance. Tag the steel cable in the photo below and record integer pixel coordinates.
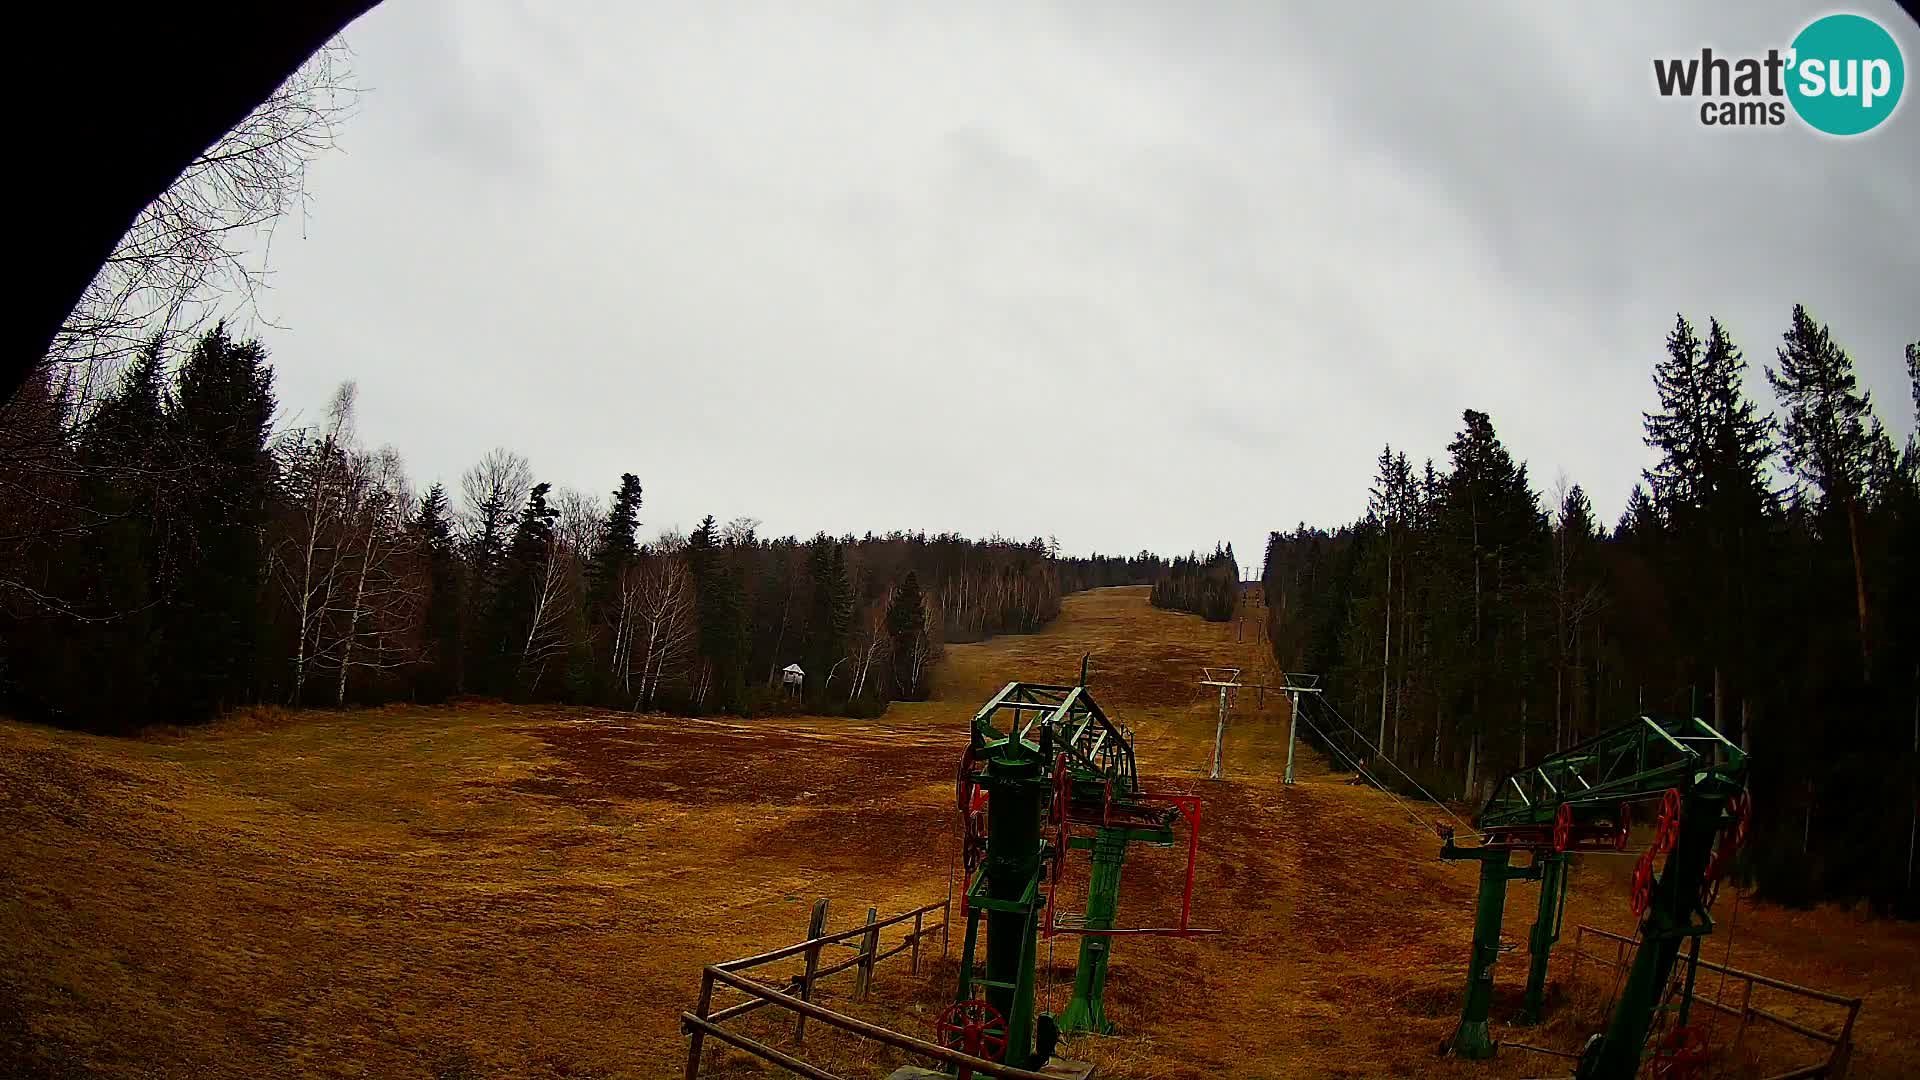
(1382, 756)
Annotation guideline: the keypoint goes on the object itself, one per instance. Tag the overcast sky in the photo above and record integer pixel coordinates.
(1143, 275)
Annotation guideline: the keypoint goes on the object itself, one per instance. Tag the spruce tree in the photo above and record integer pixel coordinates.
(518, 594)
(619, 545)
(721, 614)
(1826, 440)
(829, 614)
(219, 422)
(441, 623)
(118, 576)
(1711, 489)
(906, 632)
(1491, 540)
(606, 624)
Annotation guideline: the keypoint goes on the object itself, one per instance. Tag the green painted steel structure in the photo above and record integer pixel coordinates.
(1087, 1011)
(1545, 933)
(1056, 757)
(1579, 799)
(1471, 1038)
(1007, 891)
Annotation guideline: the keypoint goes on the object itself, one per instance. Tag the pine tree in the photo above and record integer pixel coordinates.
(607, 627)
(1491, 540)
(619, 546)
(1826, 439)
(119, 575)
(1711, 489)
(906, 631)
(829, 614)
(219, 422)
(721, 614)
(441, 622)
(1640, 521)
(517, 618)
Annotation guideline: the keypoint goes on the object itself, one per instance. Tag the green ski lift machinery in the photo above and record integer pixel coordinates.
(1582, 799)
(1047, 772)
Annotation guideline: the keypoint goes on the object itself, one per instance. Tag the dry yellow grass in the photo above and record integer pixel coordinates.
(486, 891)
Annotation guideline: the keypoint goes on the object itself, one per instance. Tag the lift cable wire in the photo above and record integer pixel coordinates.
(1719, 992)
(1418, 822)
(1619, 973)
(1383, 757)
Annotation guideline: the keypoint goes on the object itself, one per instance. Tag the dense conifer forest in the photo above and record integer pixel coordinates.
(1209, 587)
(1762, 577)
(167, 555)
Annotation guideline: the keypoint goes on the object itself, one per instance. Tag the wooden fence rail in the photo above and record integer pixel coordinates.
(797, 995)
(1840, 1043)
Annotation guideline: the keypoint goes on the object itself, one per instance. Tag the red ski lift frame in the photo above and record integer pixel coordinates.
(1189, 810)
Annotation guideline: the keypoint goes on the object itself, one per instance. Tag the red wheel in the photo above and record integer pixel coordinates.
(973, 848)
(1681, 1054)
(1562, 826)
(972, 1027)
(1741, 807)
(1666, 828)
(1626, 826)
(1642, 883)
(965, 782)
(1710, 884)
(971, 797)
(1062, 792)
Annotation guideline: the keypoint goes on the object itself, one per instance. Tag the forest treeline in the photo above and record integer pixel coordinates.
(1762, 577)
(1209, 587)
(166, 555)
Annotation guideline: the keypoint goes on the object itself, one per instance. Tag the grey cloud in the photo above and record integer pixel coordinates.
(1135, 275)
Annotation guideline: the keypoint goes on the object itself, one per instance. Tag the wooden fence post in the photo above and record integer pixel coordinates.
(698, 1036)
(1843, 1050)
(916, 942)
(816, 927)
(869, 944)
(1746, 1015)
(1573, 978)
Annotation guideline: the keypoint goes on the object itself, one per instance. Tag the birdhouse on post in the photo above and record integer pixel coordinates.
(792, 678)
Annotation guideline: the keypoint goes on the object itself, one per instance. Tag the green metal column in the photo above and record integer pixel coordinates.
(1087, 1011)
(1471, 1039)
(1016, 784)
(1546, 931)
(1668, 923)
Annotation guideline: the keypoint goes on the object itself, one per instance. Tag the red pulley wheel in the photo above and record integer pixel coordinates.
(1666, 830)
(1741, 807)
(1642, 893)
(1562, 827)
(967, 782)
(972, 1027)
(1681, 1054)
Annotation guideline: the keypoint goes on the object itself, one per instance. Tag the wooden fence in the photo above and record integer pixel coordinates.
(1839, 1044)
(797, 996)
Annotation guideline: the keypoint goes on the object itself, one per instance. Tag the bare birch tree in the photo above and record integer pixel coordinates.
(550, 624)
(380, 599)
(305, 560)
(664, 621)
(205, 240)
(867, 647)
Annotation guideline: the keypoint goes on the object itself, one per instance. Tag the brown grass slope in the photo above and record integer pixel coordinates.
(485, 891)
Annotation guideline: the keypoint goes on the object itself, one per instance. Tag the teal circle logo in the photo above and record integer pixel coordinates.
(1846, 74)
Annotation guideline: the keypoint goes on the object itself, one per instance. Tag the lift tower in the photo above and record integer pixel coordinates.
(1581, 799)
(1058, 764)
